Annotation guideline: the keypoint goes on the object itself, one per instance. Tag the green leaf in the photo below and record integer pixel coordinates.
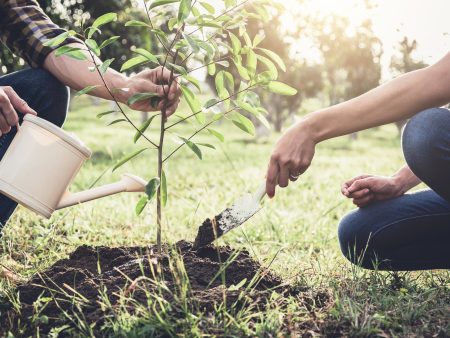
(85, 90)
(235, 43)
(281, 88)
(158, 3)
(247, 39)
(211, 69)
(274, 58)
(192, 146)
(263, 120)
(140, 97)
(257, 40)
(171, 23)
(218, 135)
(242, 71)
(141, 205)
(220, 83)
(193, 103)
(91, 31)
(104, 19)
(270, 66)
(230, 3)
(92, 44)
(105, 65)
(109, 41)
(244, 123)
(57, 40)
(136, 23)
(192, 43)
(151, 187)
(99, 116)
(143, 128)
(252, 62)
(208, 7)
(247, 107)
(177, 68)
(163, 189)
(127, 158)
(117, 121)
(133, 62)
(184, 10)
(193, 81)
(229, 80)
(73, 52)
(207, 145)
(145, 53)
(209, 49)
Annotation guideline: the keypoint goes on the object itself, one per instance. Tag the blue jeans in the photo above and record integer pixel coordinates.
(48, 97)
(411, 232)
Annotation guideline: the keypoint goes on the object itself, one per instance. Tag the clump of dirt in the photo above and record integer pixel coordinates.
(212, 273)
(208, 232)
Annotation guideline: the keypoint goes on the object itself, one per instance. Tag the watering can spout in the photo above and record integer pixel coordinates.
(128, 183)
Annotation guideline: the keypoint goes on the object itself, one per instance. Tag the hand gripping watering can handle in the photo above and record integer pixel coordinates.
(261, 192)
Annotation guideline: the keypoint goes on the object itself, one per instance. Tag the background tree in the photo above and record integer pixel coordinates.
(351, 57)
(404, 62)
(304, 76)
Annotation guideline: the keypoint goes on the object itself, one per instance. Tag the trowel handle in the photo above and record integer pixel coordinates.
(261, 192)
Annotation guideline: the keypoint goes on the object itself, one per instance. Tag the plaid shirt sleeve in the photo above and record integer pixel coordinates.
(24, 28)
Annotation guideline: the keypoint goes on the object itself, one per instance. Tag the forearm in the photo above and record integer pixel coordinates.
(405, 179)
(396, 100)
(77, 75)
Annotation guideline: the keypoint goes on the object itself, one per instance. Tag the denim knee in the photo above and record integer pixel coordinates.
(53, 96)
(354, 240)
(426, 147)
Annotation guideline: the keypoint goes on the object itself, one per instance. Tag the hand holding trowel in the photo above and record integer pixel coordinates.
(241, 210)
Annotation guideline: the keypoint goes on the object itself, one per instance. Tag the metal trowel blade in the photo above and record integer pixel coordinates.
(240, 211)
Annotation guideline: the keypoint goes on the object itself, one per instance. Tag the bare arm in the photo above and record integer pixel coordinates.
(399, 99)
(396, 100)
(76, 74)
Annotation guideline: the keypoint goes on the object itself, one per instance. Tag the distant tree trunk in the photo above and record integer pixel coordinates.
(353, 136)
(144, 116)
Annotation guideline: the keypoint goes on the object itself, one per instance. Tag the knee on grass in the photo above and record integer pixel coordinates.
(354, 240)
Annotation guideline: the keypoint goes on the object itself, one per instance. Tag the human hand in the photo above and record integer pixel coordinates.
(154, 81)
(290, 158)
(366, 189)
(10, 102)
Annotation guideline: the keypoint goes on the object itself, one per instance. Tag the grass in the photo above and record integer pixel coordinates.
(298, 228)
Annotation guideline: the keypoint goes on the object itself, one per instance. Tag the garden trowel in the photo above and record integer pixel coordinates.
(241, 210)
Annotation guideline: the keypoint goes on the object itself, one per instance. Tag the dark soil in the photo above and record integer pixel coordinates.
(119, 271)
(208, 232)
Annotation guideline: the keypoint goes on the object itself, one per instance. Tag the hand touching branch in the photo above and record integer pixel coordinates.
(76, 74)
(154, 81)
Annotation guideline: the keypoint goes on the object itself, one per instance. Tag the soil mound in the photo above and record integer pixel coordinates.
(92, 273)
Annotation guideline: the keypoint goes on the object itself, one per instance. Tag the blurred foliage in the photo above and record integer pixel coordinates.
(348, 63)
(405, 62)
(351, 57)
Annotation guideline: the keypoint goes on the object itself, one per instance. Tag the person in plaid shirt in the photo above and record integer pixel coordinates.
(41, 90)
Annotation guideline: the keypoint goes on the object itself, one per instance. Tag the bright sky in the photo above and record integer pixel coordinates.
(425, 21)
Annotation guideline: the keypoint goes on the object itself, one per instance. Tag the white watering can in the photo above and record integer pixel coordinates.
(42, 162)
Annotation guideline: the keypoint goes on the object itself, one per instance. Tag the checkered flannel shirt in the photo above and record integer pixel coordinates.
(24, 28)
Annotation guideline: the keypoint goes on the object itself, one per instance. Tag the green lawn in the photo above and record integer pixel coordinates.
(299, 226)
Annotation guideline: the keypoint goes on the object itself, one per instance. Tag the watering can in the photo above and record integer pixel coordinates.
(41, 163)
